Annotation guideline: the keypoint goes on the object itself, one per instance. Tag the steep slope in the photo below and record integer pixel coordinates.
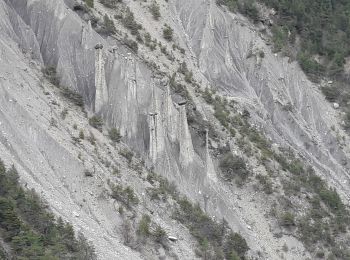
(223, 50)
(37, 140)
(223, 44)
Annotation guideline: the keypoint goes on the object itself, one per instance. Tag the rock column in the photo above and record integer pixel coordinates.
(185, 140)
(209, 163)
(100, 78)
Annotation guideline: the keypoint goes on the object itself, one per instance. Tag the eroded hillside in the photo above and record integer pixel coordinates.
(199, 98)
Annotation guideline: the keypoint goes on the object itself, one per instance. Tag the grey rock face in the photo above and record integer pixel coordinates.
(119, 86)
(224, 45)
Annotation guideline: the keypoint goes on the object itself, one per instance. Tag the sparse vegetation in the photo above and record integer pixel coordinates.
(233, 167)
(114, 135)
(129, 22)
(321, 25)
(96, 122)
(131, 44)
(89, 3)
(144, 226)
(215, 239)
(64, 113)
(127, 154)
(81, 135)
(287, 219)
(108, 27)
(110, 3)
(30, 230)
(126, 196)
(73, 96)
(162, 188)
(51, 74)
(168, 33)
(154, 9)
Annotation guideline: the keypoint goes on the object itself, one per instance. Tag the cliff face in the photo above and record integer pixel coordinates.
(227, 50)
(222, 49)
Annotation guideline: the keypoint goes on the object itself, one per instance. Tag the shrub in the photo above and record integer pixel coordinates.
(129, 22)
(249, 9)
(235, 244)
(332, 199)
(110, 3)
(64, 113)
(125, 195)
(279, 38)
(51, 74)
(168, 33)
(30, 230)
(309, 65)
(144, 226)
(96, 122)
(221, 114)
(114, 135)
(159, 235)
(163, 190)
(208, 96)
(81, 135)
(154, 9)
(127, 154)
(73, 96)
(287, 219)
(209, 234)
(331, 93)
(131, 44)
(108, 27)
(232, 166)
(89, 3)
(88, 173)
(266, 183)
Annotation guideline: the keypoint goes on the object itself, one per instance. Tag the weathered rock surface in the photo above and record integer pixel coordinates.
(121, 88)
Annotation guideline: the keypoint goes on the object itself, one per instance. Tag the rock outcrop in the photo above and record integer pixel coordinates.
(119, 86)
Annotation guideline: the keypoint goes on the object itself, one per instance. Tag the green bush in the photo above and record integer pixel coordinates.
(73, 96)
(266, 183)
(331, 198)
(279, 38)
(89, 3)
(154, 9)
(221, 114)
(114, 135)
(108, 27)
(32, 232)
(144, 226)
(287, 219)
(163, 190)
(126, 195)
(322, 26)
(127, 154)
(168, 33)
(213, 236)
(309, 65)
(129, 22)
(249, 9)
(159, 235)
(51, 74)
(235, 244)
(110, 3)
(96, 122)
(331, 93)
(232, 166)
(133, 45)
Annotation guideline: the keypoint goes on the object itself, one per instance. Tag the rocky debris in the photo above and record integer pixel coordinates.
(172, 238)
(123, 91)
